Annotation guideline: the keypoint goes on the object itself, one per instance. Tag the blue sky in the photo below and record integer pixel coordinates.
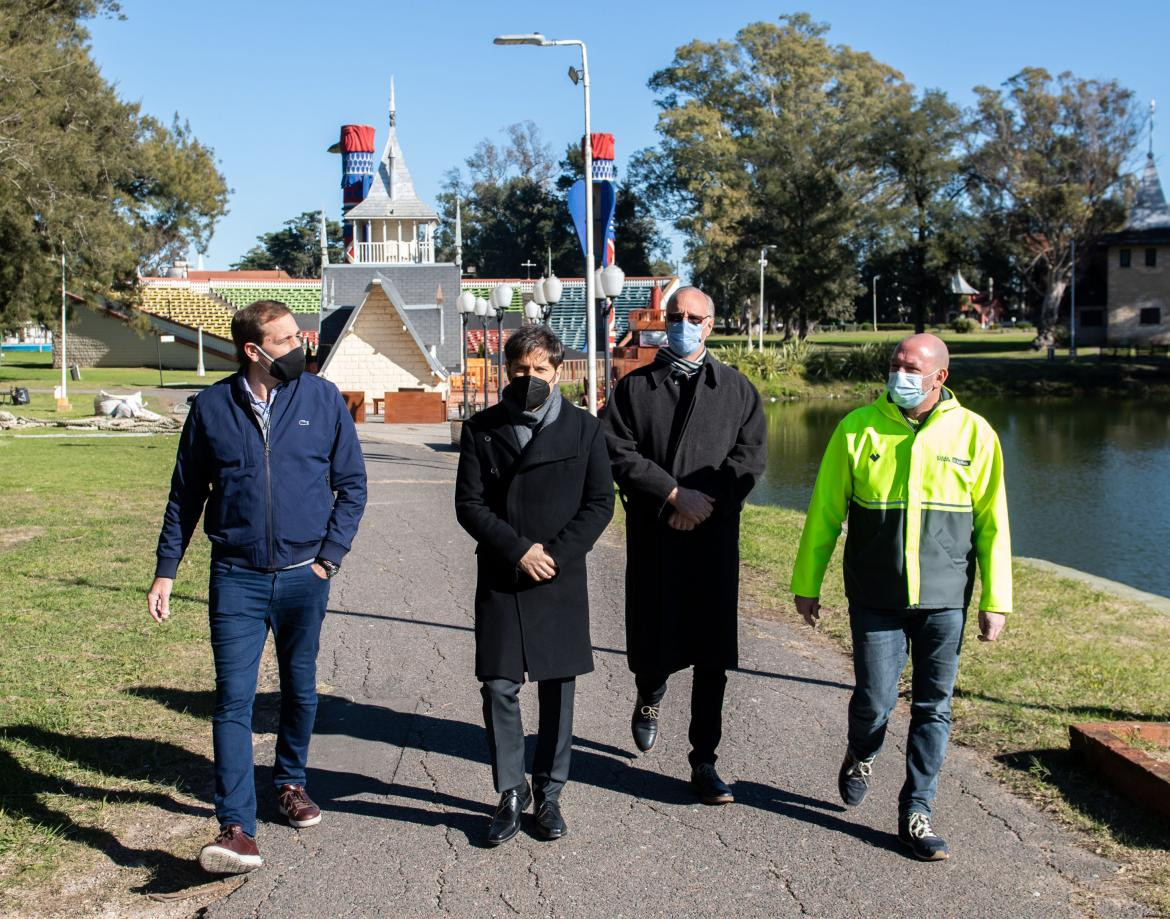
(267, 84)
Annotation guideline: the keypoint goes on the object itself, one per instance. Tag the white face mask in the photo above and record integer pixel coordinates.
(906, 388)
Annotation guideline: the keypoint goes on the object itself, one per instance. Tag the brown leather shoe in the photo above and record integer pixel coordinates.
(296, 804)
(233, 852)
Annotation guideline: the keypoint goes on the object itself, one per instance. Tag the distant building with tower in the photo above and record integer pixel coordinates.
(388, 317)
(1138, 273)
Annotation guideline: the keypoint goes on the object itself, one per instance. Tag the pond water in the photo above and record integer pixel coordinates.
(1088, 480)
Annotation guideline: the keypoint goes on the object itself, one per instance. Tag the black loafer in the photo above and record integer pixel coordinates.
(644, 725)
(549, 822)
(707, 785)
(506, 822)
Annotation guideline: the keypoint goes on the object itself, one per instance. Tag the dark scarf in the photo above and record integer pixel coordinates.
(679, 366)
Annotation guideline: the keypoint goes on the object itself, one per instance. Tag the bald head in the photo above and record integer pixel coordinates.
(924, 353)
(690, 299)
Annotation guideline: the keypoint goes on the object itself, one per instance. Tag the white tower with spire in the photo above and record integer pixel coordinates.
(393, 225)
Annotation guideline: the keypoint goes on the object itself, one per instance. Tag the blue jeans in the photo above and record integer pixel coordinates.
(882, 641)
(244, 605)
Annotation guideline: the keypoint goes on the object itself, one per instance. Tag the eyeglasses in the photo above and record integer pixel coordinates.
(679, 317)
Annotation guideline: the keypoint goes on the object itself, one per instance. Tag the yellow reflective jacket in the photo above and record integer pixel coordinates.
(922, 507)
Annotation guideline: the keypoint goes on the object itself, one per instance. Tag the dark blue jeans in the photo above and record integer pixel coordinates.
(882, 641)
(244, 604)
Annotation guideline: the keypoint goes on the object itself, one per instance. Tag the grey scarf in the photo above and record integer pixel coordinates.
(525, 424)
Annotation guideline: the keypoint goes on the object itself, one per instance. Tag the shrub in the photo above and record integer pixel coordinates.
(786, 358)
(1024, 324)
(964, 325)
(868, 363)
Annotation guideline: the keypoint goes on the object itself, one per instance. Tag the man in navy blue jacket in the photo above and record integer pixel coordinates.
(270, 458)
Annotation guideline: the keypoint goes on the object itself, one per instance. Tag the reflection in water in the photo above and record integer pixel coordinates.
(1088, 480)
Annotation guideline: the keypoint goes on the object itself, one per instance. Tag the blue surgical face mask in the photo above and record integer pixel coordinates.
(906, 388)
(684, 338)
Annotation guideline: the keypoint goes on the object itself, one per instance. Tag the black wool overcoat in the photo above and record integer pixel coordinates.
(682, 588)
(558, 492)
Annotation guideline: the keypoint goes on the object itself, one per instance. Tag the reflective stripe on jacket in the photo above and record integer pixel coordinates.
(922, 506)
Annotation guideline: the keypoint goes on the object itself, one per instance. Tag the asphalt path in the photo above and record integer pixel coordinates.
(399, 766)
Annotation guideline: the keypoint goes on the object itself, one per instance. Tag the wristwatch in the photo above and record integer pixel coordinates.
(331, 568)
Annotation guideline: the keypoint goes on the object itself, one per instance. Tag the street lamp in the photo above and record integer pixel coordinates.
(481, 310)
(610, 281)
(540, 41)
(501, 297)
(763, 265)
(465, 304)
(876, 278)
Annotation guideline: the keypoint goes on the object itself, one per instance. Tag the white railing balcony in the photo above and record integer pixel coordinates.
(383, 253)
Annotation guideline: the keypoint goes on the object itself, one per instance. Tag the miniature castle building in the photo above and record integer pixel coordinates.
(392, 224)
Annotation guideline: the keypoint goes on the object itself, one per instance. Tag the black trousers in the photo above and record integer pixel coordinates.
(505, 735)
(706, 707)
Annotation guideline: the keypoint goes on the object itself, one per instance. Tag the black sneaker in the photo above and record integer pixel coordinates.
(853, 779)
(644, 725)
(915, 831)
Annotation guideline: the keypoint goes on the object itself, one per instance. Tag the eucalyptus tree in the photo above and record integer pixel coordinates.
(770, 140)
(1047, 161)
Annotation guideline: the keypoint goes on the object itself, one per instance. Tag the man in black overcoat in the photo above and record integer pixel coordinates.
(534, 490)
(687, 438)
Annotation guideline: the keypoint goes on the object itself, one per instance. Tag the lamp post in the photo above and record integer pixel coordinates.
(540, 41)
(63, 400)
(501, 297)
(481, 310)
(876, 278)
(610, 281)
(465, 304)
(763, 265)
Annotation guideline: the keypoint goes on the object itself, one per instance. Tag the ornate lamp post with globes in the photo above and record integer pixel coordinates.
(465, 304)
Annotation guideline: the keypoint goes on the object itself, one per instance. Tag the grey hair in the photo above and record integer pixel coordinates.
(671, 301)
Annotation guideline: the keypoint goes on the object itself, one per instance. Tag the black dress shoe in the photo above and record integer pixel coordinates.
(644, 725)
(506, 822)
(709, 787)
(549, 822)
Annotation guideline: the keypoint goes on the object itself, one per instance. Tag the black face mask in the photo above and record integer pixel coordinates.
(529, 393)
(287, 367)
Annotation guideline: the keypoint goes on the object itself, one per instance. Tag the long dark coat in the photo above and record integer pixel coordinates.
(682, 588)
(558, 491)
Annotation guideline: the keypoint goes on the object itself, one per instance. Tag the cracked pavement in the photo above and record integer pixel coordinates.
(399, 767)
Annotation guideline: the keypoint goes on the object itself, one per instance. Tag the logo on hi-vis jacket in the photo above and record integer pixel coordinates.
(875, 456)
(955, 460)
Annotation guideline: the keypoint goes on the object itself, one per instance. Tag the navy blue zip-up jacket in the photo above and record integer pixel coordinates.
(299, 498)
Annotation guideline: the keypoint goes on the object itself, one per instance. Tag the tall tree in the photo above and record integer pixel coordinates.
(513, 209)
(767, 140)
(295, 247)
(81, 170)
(1048, 160)
(920, 139)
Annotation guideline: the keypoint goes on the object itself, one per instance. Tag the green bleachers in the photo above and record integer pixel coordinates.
(300, 299)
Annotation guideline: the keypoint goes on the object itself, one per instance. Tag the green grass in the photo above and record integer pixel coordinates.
(93, 738)
(1069, 654)
(36, 372)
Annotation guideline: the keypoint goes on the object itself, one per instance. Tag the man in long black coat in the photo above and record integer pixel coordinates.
(687, 438)
(534, 490)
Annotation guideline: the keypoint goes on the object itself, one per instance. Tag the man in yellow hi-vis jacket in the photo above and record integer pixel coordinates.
(920, 480)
